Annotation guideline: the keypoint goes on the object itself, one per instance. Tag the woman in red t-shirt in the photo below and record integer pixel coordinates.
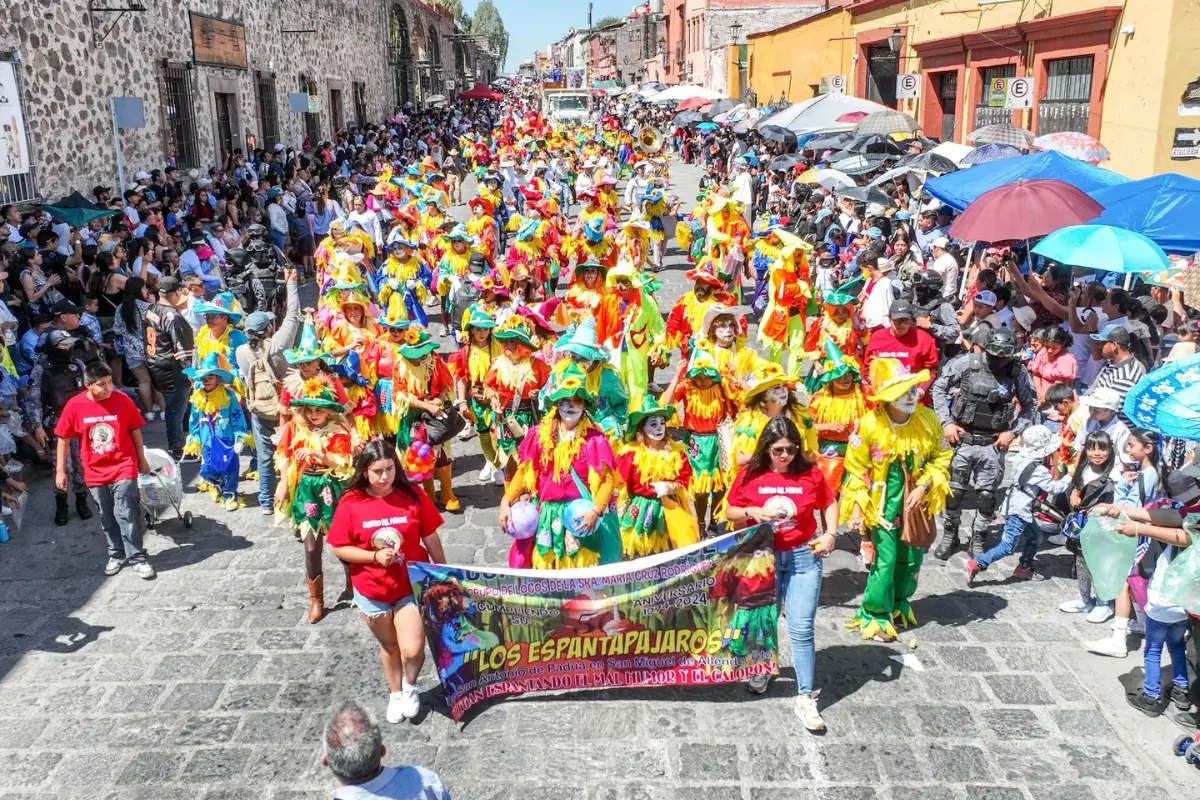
(382, 522)
(779, 486)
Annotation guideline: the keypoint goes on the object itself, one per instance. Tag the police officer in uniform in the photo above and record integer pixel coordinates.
(975, 398)
(57, 376)
(934, 314)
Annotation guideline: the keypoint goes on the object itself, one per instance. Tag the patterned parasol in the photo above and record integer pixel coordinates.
(1003, 133)
(1078, 146)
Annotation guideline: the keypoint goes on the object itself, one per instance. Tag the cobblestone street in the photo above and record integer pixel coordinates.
(209, 683)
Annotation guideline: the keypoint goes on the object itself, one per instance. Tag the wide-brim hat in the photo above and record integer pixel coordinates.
(720, 310)
(540, 315)
(573, 383)
(482, 201)
(583, 342)
(308, 349)
(649, 408)
(705, 274)
(327, 403)
(623, 269)
(224, 303)
(516, 328)
(768, 377)
(417, 343)
(591, 265)
(478, 318)
(211, 364)
(458, 234)
(1038, 441)
(891, 380)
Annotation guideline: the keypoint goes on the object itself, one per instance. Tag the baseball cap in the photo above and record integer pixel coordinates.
(1182, 487)
(1115, 334)
(987, 297)
(278, 147)
(168, 284)
(873, 233)
(258, 321)
(141, 175)
(941, 242)
(1102, 397)
(98, 190)
(67, 307)
(902, 214)
(901, 309)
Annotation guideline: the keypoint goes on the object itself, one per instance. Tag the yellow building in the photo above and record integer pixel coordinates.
(1117, 71)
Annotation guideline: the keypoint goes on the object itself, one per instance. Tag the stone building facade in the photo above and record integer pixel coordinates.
(635, 42)
(213, 75)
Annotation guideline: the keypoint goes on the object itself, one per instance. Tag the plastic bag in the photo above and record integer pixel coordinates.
(1109, 555)
(18, 509)
(1181, 583)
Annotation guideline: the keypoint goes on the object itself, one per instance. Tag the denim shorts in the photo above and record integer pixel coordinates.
(374, 608)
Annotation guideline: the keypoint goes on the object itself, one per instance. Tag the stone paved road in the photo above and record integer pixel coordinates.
(209, 683)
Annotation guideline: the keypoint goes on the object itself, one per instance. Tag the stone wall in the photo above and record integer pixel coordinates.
(753, 19)
(69, 78)
(629, 48)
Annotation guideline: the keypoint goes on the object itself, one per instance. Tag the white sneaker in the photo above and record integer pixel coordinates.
(395, 709)
(144, 571)
(806, 710)
(113, 566)
(758, 684)
(410, 701)
(1100, 614)
(487, 473)
(1114, 645)
(1075, 606)
(1058, 540)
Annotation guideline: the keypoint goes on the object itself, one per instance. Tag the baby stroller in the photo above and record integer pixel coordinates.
(162, 488)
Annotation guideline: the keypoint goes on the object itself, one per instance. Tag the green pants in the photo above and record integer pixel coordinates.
(892, 579)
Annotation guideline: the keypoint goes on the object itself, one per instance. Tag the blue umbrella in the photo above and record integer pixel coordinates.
(990, 152)
(708, 126)
(1103, 247)
(1167, 400)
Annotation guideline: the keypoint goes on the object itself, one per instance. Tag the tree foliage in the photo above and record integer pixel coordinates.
(487, 22)
(608, 21)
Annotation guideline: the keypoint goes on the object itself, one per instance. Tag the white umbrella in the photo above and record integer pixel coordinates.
(833, 179)
(821, 114)
(728, 116)
(953, 151)
(914, 175)
(683, 91)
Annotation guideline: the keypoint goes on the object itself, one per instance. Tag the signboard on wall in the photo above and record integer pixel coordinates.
(1186, 144)
(218, 42)
(1018, 93)
(997, 92)
(907, 86)
(833, 84)
(14, 147)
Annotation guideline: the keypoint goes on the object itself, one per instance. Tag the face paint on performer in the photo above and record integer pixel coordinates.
(778, 395)
(725, 330)
(590, 276)
(908, 403)
(840, 314)
(655, 429)
(570, 411)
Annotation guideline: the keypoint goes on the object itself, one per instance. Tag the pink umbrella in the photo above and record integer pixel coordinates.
(853, 117)
(1024, 210)
(693, 104)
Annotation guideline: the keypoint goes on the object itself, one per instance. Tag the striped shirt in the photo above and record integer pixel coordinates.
(1120, 377)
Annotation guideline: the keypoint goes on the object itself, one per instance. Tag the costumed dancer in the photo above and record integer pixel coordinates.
(470, 365)
(545, 335)
(313, 459)
(722, 334)
(349, 334)
(897, 477)
(705, 405)
(405, 280)
(767, 392)
(631, 326)
(423, 385)
(684, 321)
(308, 360)
(655, 209)
(452, 270)
(590, 244)
(789, 303)
(379, 362)
(633, 241)
(567, 470)
(838, 324)
(725, 239)
(582, 351)
(512, 386)
(217, 433)
(219, 334)
(482, 227)
(585, 295)
(689, 233)
(655, 490)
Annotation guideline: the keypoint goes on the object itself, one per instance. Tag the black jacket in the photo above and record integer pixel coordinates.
(167, 334)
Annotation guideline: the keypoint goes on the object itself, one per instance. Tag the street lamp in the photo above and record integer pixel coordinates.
(895, 40)
(736, 30)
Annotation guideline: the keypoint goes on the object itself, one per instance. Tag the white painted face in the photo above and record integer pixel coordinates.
(569, 411)
(725, 332)
(778, 394)
(908, 403)
(655, 428)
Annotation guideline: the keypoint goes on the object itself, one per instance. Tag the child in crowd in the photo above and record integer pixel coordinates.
(90, 321)
(1053, 363)
(218, 430)
(1033, 481)
(1091, 484)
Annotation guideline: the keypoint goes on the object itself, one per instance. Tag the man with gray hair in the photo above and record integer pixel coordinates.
(354, 753)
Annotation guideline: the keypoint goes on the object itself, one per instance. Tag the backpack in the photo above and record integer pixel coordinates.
(1047, 515)
(262, 388)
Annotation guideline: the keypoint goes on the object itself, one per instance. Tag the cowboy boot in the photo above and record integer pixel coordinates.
(447, 498)
(427, 485)
(316, 599)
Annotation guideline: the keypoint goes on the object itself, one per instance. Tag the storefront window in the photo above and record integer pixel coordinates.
(1066, 105)
(985, 113)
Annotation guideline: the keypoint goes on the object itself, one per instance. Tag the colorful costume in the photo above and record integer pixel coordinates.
(684, 321)
(513, 383)
(643, 469)
(633, 330)
(470, 366)
(703, 411)
(421, 375)
(789, 303)
(611, 399)
(313, 463)
(840, 325)
(832, 404)
(217, 432)
(751, 420)
(879, 456)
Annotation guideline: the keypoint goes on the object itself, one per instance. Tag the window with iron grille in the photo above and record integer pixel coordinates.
(268, 109)
(179, 116)
(336, 117)
(882, 68)
(992, 115)
(1067, 105)
(312, 120)
(360, 103)
(22, 186)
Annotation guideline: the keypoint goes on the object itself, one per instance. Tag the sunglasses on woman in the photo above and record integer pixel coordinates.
(784, 450)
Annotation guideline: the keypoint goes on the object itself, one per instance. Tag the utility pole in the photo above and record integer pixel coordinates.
(589, 16)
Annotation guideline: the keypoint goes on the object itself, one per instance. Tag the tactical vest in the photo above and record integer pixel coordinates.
(984, 403)
(61, 380)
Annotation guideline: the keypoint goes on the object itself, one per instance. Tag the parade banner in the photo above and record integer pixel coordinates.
(703, 614)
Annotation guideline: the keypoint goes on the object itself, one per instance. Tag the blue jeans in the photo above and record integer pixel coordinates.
(263, 429)
(1171, 635)
(177, 407)
(121, 519)
(797, 588)
(1014, 529)
(279, 239)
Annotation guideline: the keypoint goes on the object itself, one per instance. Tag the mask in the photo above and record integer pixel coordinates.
(997, 363)
(655, 428)
(778, 394)
(908, 403)
(569, 412)
(725, 333)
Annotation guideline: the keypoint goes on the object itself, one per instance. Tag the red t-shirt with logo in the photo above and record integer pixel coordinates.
(807, 492)
(399, 522)
(105, 445)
